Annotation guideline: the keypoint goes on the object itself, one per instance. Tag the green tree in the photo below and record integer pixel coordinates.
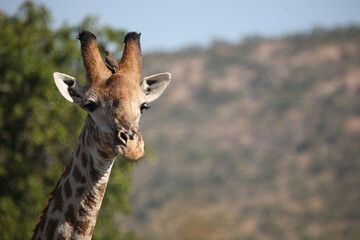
(38, 129)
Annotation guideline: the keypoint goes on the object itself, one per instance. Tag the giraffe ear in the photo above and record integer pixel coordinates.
(153, 86)
(69, 88)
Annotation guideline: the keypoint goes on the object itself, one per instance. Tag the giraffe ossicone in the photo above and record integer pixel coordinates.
(114, 102)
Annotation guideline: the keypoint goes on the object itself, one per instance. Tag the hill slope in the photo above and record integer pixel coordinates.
(256, 140)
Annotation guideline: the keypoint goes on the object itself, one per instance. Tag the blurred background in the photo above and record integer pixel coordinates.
(256, 137)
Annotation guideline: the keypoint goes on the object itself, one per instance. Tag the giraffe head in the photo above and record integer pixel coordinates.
(114, 101)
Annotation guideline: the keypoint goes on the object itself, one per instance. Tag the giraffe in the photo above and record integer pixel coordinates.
(114, 103)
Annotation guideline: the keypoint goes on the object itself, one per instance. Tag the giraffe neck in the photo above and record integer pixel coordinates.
(75, 202)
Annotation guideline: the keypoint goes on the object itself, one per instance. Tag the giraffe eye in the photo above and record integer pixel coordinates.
(143, 107)
(90, 106)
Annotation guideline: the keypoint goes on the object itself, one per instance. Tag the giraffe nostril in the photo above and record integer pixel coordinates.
(123, 136)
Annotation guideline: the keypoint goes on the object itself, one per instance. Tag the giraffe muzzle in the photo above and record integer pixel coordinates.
(129, 144)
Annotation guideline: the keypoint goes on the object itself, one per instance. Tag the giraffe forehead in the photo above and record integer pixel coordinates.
(115, 92)
(122, 89)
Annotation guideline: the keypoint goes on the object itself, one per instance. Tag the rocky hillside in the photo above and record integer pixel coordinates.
(255, 140)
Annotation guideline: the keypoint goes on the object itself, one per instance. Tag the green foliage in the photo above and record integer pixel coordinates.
(39, 129)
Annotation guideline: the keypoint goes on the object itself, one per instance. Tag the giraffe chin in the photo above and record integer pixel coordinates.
(132, 152)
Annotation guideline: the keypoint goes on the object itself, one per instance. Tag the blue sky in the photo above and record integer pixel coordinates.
(171, 25)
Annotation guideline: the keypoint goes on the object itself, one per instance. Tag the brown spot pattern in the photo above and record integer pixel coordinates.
(61, 237)
(58, 200)
(102, 189)
(51, 228)
(82, 212)
(70, 215)
(78, 176)
(67, 189)
(80, 191)
(90, 200)
(81, 227)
